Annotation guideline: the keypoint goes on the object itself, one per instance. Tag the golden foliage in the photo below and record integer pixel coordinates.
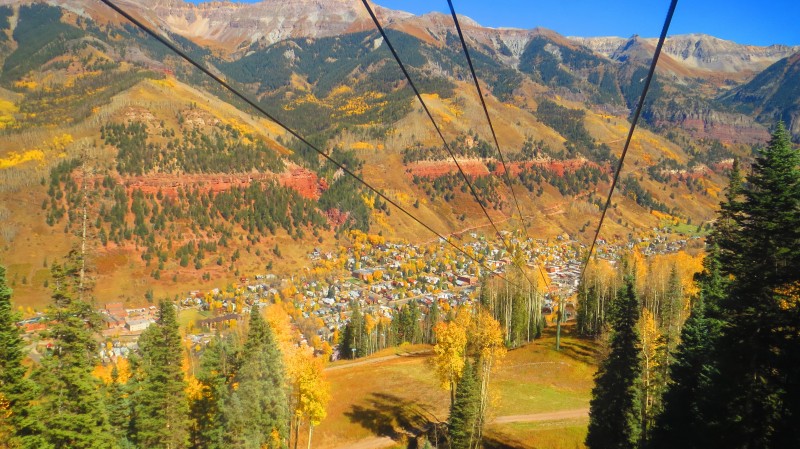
(312, 390)
(14, 158)
(103, 372)
(486, 338)
(789, 297)
(362, 146)
(450, 348)
(195, 390)
(7, 111)
(650, 337)
(26, 84)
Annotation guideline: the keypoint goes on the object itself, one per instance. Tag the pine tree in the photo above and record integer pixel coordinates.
(218, 366)
(353, 335)
(687, 419)
(759, 348)
(118, 407)
(70, 407)
(615, 407)
(736, 381)
(17, 424)
(259, 410)
(723, 236)
(161, 405)
(465, 410)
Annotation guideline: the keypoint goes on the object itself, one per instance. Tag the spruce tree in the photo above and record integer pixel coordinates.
(759, 376)
(688, 417)
(723, 235)
(17, 424)
(259, 410)
(70, 407)
(218, 365)
(353, 336)
(119, 410)
(615, 408)
(465, 410)
(736, 373)
(160, 402)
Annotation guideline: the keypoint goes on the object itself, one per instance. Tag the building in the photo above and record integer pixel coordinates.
(137, 325)
(467, 280)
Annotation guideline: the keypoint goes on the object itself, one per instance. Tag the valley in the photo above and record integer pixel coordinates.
(456, 270)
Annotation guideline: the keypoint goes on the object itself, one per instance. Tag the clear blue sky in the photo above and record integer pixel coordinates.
(742, 21)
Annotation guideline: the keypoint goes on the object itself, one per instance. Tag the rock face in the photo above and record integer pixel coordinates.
(710, 124)
(699, 51)
(231, 26)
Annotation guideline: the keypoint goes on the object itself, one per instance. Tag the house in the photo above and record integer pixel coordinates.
(38, 323)
(138, 325)
(363, 273)
(116, 310)
(112, 322)
(467, 280)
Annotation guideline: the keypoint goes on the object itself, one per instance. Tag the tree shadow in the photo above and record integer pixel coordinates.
(391, 416)
(497, 442)
(579, 349)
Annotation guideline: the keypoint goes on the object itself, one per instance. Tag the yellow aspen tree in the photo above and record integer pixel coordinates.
(652, 345)
(313, 394)
(450, 350)
(487, 343)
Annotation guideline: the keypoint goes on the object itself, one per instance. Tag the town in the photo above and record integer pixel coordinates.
(379, 277)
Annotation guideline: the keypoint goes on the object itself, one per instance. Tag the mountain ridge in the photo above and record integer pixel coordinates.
(170, 147)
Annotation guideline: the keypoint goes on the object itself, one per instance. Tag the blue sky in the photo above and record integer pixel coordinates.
(745, 22)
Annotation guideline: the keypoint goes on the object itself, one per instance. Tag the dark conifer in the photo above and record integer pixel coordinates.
(17, 422)
(465, 410)
(160, 402)
(218, 366)
(688, 416)
(615, 407)
(759, 376)
(70, 407)
(258, 412)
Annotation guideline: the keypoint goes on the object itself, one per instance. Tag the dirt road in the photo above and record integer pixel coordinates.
(370, 443)
(383, 442)
(374, 360)
(550, 416)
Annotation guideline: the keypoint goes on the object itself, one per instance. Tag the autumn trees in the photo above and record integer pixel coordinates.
(727, 376)
(249, 388)
(468, 349)
(742, 377)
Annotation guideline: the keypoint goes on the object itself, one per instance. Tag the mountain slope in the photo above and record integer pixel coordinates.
(187, 184)
(772, 95)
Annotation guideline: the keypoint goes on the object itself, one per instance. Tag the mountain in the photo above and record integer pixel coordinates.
(187, 184)
(701, 51)
(772, 95)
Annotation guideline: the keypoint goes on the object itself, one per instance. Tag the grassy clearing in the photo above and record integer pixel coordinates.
(391, 397)
(566, 434)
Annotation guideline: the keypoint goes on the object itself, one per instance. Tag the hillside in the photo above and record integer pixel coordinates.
(186, 186)
(772, 95)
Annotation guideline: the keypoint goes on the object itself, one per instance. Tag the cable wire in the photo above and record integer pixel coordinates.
(438, 130)
(639, 106)
(257, 107)
(491, 126)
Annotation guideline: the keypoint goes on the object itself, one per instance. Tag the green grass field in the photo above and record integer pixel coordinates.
(399, 396)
